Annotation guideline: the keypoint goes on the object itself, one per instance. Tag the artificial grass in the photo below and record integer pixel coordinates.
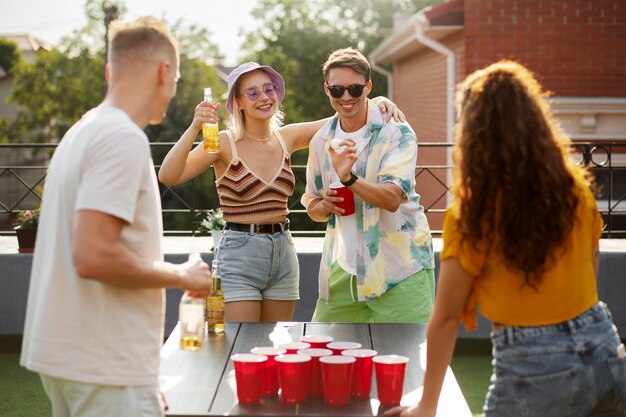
(21, 393)
(472, 368)
(472, 373)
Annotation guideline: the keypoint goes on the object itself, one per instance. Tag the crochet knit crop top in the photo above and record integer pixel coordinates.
(245, 197)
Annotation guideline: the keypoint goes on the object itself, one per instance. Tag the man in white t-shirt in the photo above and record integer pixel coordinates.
(95, 313)
(377, 265)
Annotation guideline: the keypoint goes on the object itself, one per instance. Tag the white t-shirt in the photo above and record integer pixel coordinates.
(346, 225)
(81, 329)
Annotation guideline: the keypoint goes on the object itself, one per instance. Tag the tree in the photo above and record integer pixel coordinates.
(10, 59)
(196, 50)
(195, 75)
(195, 42)
(10, 55)
(61, 85)
(92, 35)
(296, 37)
(53, 93)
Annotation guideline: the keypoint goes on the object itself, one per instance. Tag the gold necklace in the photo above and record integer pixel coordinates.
(259, 139)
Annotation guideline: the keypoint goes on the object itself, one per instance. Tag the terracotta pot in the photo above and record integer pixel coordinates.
(26, 240)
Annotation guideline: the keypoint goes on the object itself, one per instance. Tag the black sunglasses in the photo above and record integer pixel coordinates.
(355, 90)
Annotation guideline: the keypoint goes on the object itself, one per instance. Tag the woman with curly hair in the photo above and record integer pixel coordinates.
(521, 242)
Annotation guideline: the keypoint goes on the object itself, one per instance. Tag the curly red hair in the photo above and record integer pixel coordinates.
(513, 182)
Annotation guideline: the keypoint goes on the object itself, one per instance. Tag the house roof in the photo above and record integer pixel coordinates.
(438, 22)
(26, 42)
(223, 71)
(446, 14)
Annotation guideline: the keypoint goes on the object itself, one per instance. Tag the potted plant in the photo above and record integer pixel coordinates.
(213, 221)
(26, 229)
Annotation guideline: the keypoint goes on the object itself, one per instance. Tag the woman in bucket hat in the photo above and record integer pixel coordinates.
(260, 272)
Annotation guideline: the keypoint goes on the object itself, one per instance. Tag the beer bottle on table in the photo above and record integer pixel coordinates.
(191, 317)
(215, 302)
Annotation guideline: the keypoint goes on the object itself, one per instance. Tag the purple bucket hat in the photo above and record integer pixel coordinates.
(251, 66)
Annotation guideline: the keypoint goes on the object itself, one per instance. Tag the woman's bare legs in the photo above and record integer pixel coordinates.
(254, 311)
(274, 310)
(242, 311)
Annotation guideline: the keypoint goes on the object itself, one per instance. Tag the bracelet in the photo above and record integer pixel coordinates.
(352, 180)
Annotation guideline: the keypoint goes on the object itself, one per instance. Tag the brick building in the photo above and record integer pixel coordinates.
(577, 48)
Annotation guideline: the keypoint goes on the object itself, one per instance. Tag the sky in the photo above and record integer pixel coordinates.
(49, 20)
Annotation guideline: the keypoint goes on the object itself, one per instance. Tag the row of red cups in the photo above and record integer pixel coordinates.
(336, 374)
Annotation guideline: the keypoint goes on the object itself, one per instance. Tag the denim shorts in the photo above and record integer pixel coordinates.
(562, 370)
(258, 266)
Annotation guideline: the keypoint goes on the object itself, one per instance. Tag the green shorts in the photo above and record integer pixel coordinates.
(410, 301)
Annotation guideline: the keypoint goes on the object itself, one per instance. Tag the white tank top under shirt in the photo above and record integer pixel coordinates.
(345, 250)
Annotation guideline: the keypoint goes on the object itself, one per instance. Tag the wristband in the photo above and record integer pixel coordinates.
(352, 180)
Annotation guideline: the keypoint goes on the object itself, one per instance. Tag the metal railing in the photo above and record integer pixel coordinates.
(23, 169)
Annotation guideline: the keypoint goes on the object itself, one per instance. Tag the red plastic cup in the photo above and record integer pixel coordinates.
(249, 376)
(337, 376)
(316, 386)
(390, 378)
(293, 347)
(348, 198)
(293, 377)
(338, 347)
(269, 388)
(363, 367)
(317, 341)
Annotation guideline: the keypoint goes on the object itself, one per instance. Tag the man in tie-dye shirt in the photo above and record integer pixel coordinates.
(377, 264)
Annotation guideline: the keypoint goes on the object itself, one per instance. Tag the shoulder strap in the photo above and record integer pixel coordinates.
(233, 146)
(282, 143)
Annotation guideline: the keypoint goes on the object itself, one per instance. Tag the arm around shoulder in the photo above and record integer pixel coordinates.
(300, 134)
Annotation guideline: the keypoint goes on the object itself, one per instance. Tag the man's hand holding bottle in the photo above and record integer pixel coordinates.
(196, 276)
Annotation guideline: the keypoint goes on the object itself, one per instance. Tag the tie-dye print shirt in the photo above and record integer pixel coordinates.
(390, 246)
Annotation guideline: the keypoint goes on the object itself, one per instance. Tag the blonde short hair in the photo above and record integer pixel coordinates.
(136, 42)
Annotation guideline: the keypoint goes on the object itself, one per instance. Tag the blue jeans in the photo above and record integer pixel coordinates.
(562, 370)
(258, 266)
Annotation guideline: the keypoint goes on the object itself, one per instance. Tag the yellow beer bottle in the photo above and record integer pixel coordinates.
(214, 306)
(210, 131)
